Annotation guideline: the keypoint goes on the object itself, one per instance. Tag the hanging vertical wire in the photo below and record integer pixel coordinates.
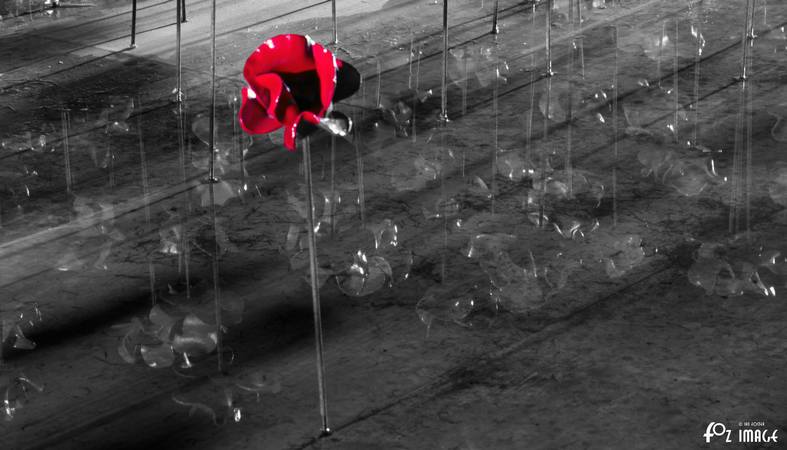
(212, 180)
(315, 287)
(444, 79)
(66, 125)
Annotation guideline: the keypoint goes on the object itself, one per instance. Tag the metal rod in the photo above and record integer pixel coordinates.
(361, 184)
(495, 27)
(179, 11)
(184, 241)
(335, 24)
(544, 157)
(697, 60)
(212, 181)
(549, 71)
(615, 117)
(133, 23)
(143, 164)
(333, 185)
(569, 168)
(321, 380)
(444, 96)
(529, 137)
(675, 80)
(183, 10)
(65, 119)
(495, 113)
(745, 42)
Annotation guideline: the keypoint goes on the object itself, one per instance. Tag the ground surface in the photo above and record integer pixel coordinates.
(578, 357)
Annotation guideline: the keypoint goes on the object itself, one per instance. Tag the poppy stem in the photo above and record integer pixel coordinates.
(212, 180)
(615, 117)
(333, 185)
(495, 28)
(697, 60)
(65, 119)
(335, 24)
(184, 241)
(178, 60)
(133, 24)
(569, 169)
(549, 71)
(444, 97)
(143, 165)
(307, 174)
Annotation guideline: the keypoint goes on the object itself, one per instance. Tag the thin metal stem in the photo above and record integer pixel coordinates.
(143, 163)
(675, 81)
(569, 168)
(179, 11)
(66, 124)
(549, 71)
(212, 180)
(615, 117)
(443, 83)
(321, 381)
(333, 185)
(745, 42)
(335, 23)
(495, 28)
(133, 24)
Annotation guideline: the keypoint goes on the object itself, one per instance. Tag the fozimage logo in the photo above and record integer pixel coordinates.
(746, 433)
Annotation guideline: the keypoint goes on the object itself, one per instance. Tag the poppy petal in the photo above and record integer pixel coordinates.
(253, 118)
(348, 81)
(290, 129)
(288, 53)
(325, 64)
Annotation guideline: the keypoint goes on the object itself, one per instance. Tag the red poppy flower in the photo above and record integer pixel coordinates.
(292, 78)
